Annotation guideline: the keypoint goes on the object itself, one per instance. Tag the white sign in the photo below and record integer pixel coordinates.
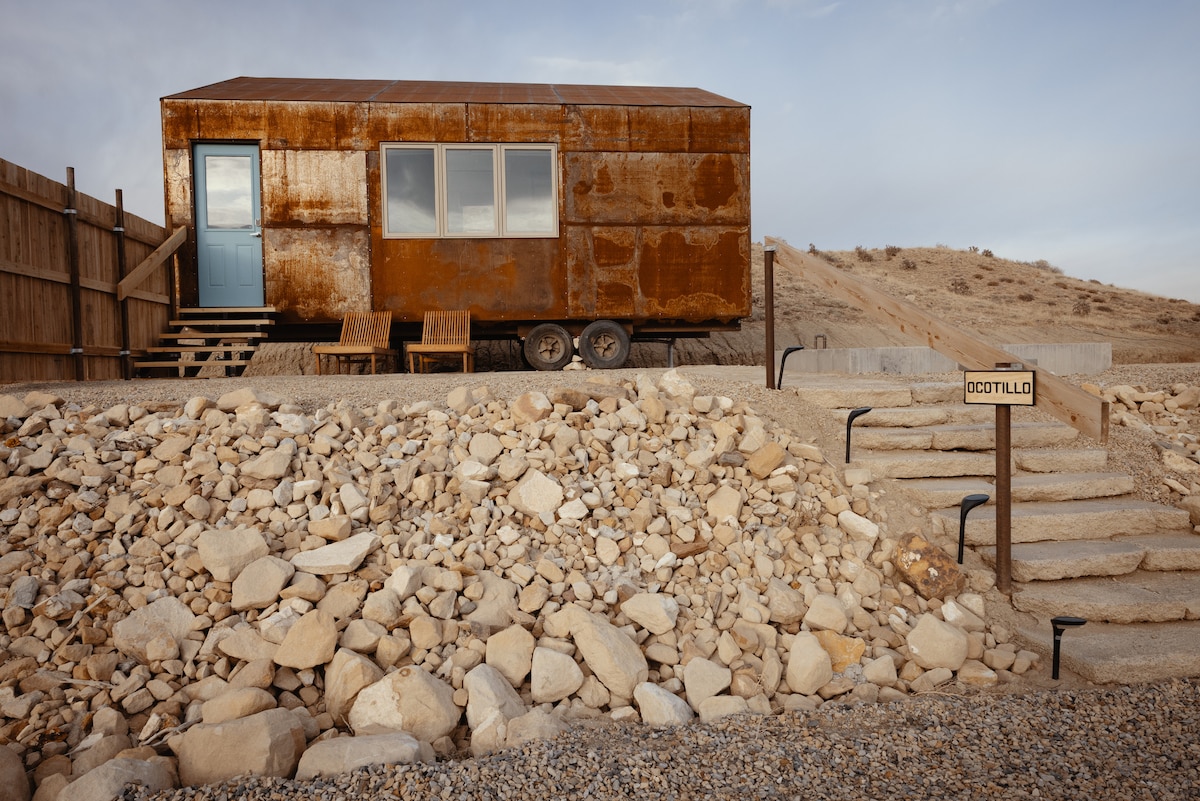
(998, 387)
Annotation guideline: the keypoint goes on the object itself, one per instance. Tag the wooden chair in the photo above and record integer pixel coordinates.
(365, 336)
(445, 335)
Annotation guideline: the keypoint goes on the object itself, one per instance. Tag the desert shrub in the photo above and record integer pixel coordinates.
(1104, 308)
(978, 276)
(1093, 281)
(813, 249)
(1164, 319)
(1062, 285)
(959, 286)
(1025, 296)
(1051, 303)
(1021, 281)
(863, 254)
(1006, 279)
(993, 282)
(973, 249)
(891, 251)
(987, 253)
(1081, 308)
(908, 264)
(1042, 264)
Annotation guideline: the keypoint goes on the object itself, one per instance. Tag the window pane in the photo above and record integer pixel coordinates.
(228, 192)
(528, 191)
(470, 191)
(411, 208)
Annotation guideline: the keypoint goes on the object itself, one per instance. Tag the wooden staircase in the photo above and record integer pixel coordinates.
(1082, 544)
(208, 341)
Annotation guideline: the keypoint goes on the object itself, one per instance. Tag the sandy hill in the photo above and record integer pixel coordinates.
(1000, 301)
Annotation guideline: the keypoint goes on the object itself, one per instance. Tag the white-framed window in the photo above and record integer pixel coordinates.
(469, 190)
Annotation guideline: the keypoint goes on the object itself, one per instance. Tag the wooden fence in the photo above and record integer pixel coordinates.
(62, 256)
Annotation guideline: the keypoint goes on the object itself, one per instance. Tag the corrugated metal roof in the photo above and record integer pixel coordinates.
(337, 90)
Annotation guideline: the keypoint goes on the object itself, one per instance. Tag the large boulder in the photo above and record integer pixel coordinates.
(266, 744)
(154, 632)
(934, 643)
(808, 666)
(107, 782)
(408, 700)
(344, 754)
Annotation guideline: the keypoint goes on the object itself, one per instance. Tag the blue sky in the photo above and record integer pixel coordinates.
(1065, 130)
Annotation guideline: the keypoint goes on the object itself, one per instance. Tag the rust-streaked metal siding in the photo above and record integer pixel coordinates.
(654, 198)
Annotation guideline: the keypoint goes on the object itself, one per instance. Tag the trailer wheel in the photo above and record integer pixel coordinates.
(548, 347)
(604, 345)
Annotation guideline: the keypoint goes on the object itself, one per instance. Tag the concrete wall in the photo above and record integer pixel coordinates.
(1084, 358)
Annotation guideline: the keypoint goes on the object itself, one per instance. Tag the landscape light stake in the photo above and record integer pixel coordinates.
(854, 414)
(968, 503)
(783, 360)
(1061, 623)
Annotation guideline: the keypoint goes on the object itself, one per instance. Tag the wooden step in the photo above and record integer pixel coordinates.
(245, 310)
(229, 348)
(221, 335)
(218, 322)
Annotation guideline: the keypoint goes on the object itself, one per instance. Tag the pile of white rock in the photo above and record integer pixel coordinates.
(1172, 417)
(239, 586)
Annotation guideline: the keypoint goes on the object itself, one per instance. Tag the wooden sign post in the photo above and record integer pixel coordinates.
(1007, 386)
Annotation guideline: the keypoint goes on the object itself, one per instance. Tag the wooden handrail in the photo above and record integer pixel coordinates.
(1081, 410)
(161, 253)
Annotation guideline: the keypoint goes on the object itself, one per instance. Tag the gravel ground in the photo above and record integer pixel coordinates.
(1114, 743)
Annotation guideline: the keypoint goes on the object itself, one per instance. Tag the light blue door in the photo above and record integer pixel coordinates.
(229, 248)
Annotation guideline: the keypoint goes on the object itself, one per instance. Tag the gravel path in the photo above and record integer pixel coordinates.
(1114, 743)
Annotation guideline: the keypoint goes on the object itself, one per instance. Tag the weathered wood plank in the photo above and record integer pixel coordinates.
(160, 254)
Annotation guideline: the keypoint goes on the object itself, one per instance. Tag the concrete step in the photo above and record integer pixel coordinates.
(1054, 561)
(1097, 518)
(1140, 597)
(944, 493)
(1060, 460)
(1069, 486)
(1112, 654)
(923, 464)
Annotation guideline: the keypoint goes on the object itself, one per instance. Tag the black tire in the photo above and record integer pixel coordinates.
(548, 347)
(604, 345)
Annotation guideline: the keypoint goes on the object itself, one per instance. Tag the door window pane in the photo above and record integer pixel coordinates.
(470, 191)
(411, 191)
(528, 191)
(228, 200)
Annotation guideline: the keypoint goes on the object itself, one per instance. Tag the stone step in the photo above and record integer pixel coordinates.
(1097, 518)
(1060, 460)
(1112, 654)
(1036, 487)
(943, 493)
(923, 464)
(1140, 597)
(1168, 551)
(839, 393)
(1054, 561)
(964, 437)
(941, 392)
(917, 416)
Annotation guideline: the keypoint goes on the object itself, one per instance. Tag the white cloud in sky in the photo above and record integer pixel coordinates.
(1063, 131)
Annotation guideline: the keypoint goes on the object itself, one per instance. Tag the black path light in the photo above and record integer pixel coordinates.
(783, 360)
(968, 503)
(854, 414)
(1060, 624)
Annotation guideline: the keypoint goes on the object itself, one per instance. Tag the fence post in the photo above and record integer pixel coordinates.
(72, 214)
(122, 268)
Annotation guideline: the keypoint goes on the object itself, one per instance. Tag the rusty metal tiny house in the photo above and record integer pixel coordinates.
(614, 211)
